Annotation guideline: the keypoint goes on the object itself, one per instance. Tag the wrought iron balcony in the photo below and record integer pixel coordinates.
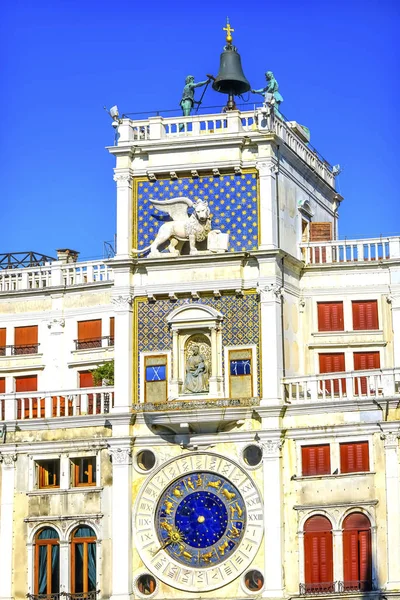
(19, 350)
(336, 587)
(104, 341)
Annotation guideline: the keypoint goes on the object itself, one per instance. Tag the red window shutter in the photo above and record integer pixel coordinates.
(354, 457)
(320, 232)
(2, 385)
(89, 330)
(365, 549)
(112, 327)
(365, 314)
(27, 383)
(357, 555)
(362, 362)
(332, 363)
(330, 316)
(316, 460)
(85, 379)
(26, 336)
(318, 551)
(2, 337)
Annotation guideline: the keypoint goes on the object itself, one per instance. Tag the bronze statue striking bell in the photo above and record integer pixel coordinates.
(230, 79)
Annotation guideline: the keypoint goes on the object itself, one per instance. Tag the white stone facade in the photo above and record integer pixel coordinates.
(258, 305)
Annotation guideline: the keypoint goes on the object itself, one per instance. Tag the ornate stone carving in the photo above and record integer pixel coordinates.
(56, 324)
(266, 168)
(120, 456)
(198, 359)
(271, 448)
(8, 460)
(271, 291)
(122, 302)
(391, 439)
(123, 179)
(194, 228)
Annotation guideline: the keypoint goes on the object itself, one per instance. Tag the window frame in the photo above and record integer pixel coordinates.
(254, 366)
(75, 469)
(168, 372)
(321, 303)
(49, 542)
(376, 314)
(309, 446)
(40, 474)
(342, 444)
(74, 541)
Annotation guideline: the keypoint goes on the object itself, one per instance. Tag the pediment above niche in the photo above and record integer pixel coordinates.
(194, 315)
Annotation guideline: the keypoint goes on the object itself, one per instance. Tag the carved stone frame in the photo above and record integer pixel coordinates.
(186, 321)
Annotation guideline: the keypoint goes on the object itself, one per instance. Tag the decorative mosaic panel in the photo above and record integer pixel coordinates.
(241, 324)
(232, 200)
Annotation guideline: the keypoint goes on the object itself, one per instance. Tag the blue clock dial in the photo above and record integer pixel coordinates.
(201, 519)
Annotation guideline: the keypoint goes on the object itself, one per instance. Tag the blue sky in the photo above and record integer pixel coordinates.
(62, 61)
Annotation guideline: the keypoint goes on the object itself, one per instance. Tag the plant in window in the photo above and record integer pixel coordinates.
(104, 374)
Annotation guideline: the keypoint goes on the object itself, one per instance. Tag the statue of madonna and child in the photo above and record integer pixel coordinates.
(196, 379)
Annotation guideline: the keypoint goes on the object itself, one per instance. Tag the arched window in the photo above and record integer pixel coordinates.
(357, 555)
(83, 560)
(47, 562)
(318, 555)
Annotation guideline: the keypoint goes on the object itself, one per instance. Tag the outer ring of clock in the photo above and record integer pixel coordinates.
(232, 551)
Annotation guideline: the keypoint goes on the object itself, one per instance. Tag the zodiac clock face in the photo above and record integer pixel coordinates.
(199, 522)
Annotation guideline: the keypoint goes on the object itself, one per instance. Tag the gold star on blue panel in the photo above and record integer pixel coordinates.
(236, 193)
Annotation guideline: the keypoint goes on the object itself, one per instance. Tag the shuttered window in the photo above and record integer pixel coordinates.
(316, 460)
(365, 314)
(354, 457)
(3, 331)
(332, 362)
(330, 316)
(112, 331)
(320, 232)
(362, 362)
(318, 555)
(2, 401)
(94, 400)
(26, 340)
(28, 383)
(89, 334)
(357, 553)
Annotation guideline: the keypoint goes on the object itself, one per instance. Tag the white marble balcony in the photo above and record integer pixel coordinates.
(351, 251)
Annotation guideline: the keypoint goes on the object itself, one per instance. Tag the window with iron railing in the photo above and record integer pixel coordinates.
(25, 340)
(89, 335)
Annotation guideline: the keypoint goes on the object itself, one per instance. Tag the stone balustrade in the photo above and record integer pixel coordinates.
(54, 274)
(351, 251)
(349, 385)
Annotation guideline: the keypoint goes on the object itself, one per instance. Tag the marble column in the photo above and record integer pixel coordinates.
(268, 224)
(124, 179)
(271, 335)
(123, 367)
(273, 519)
(392, 472)
(7, 523)
(121, 520)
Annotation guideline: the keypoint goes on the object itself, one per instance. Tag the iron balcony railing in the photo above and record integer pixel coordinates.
(18, 350)
(62, 595)
(99, 342)
(336, 587)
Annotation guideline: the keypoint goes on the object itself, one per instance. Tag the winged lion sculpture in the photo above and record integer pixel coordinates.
(183, 227)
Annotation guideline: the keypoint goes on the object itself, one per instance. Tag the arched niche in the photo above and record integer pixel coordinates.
(202, 323)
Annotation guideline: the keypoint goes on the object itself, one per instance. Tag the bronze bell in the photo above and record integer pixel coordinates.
(230, 79)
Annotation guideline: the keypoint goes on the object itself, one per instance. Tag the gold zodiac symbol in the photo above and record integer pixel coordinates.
(168, 506)
(235, 532)
(190, 484)
(222, 548)
(228, 495)
(233, 510)
(206, 557)
(184, 553)
(239, 510)
(177, 492)
(214, 484)
(166, 526)
(199, 481)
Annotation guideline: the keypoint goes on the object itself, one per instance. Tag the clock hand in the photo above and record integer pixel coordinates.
(174, 537)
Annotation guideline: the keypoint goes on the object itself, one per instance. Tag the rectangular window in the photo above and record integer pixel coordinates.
(89, 334)
(365, 314)
(320, 232)
(83, 471)
(316, 460)
(240, 373)
(354, 457)
(28, 408)
(112, 331)
(364, 361)
(155, 384)
(332, 363)
(26, 340)
(48, 473)
(330, 316)
(3, 332)
(2, 401)
(94, 400)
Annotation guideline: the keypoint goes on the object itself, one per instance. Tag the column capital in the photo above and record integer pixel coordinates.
(267, 167)
(121, 455)
(269, 292)
(123, 177)
(391, 440)
(122, 302)
(8, 460)
(272, 448)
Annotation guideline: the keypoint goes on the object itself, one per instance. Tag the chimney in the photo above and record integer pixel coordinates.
(67, 255)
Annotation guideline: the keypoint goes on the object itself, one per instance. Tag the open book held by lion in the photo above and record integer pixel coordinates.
(182, 228)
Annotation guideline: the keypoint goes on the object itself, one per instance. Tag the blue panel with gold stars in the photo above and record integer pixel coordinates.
(232, 200)
(200, 519)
